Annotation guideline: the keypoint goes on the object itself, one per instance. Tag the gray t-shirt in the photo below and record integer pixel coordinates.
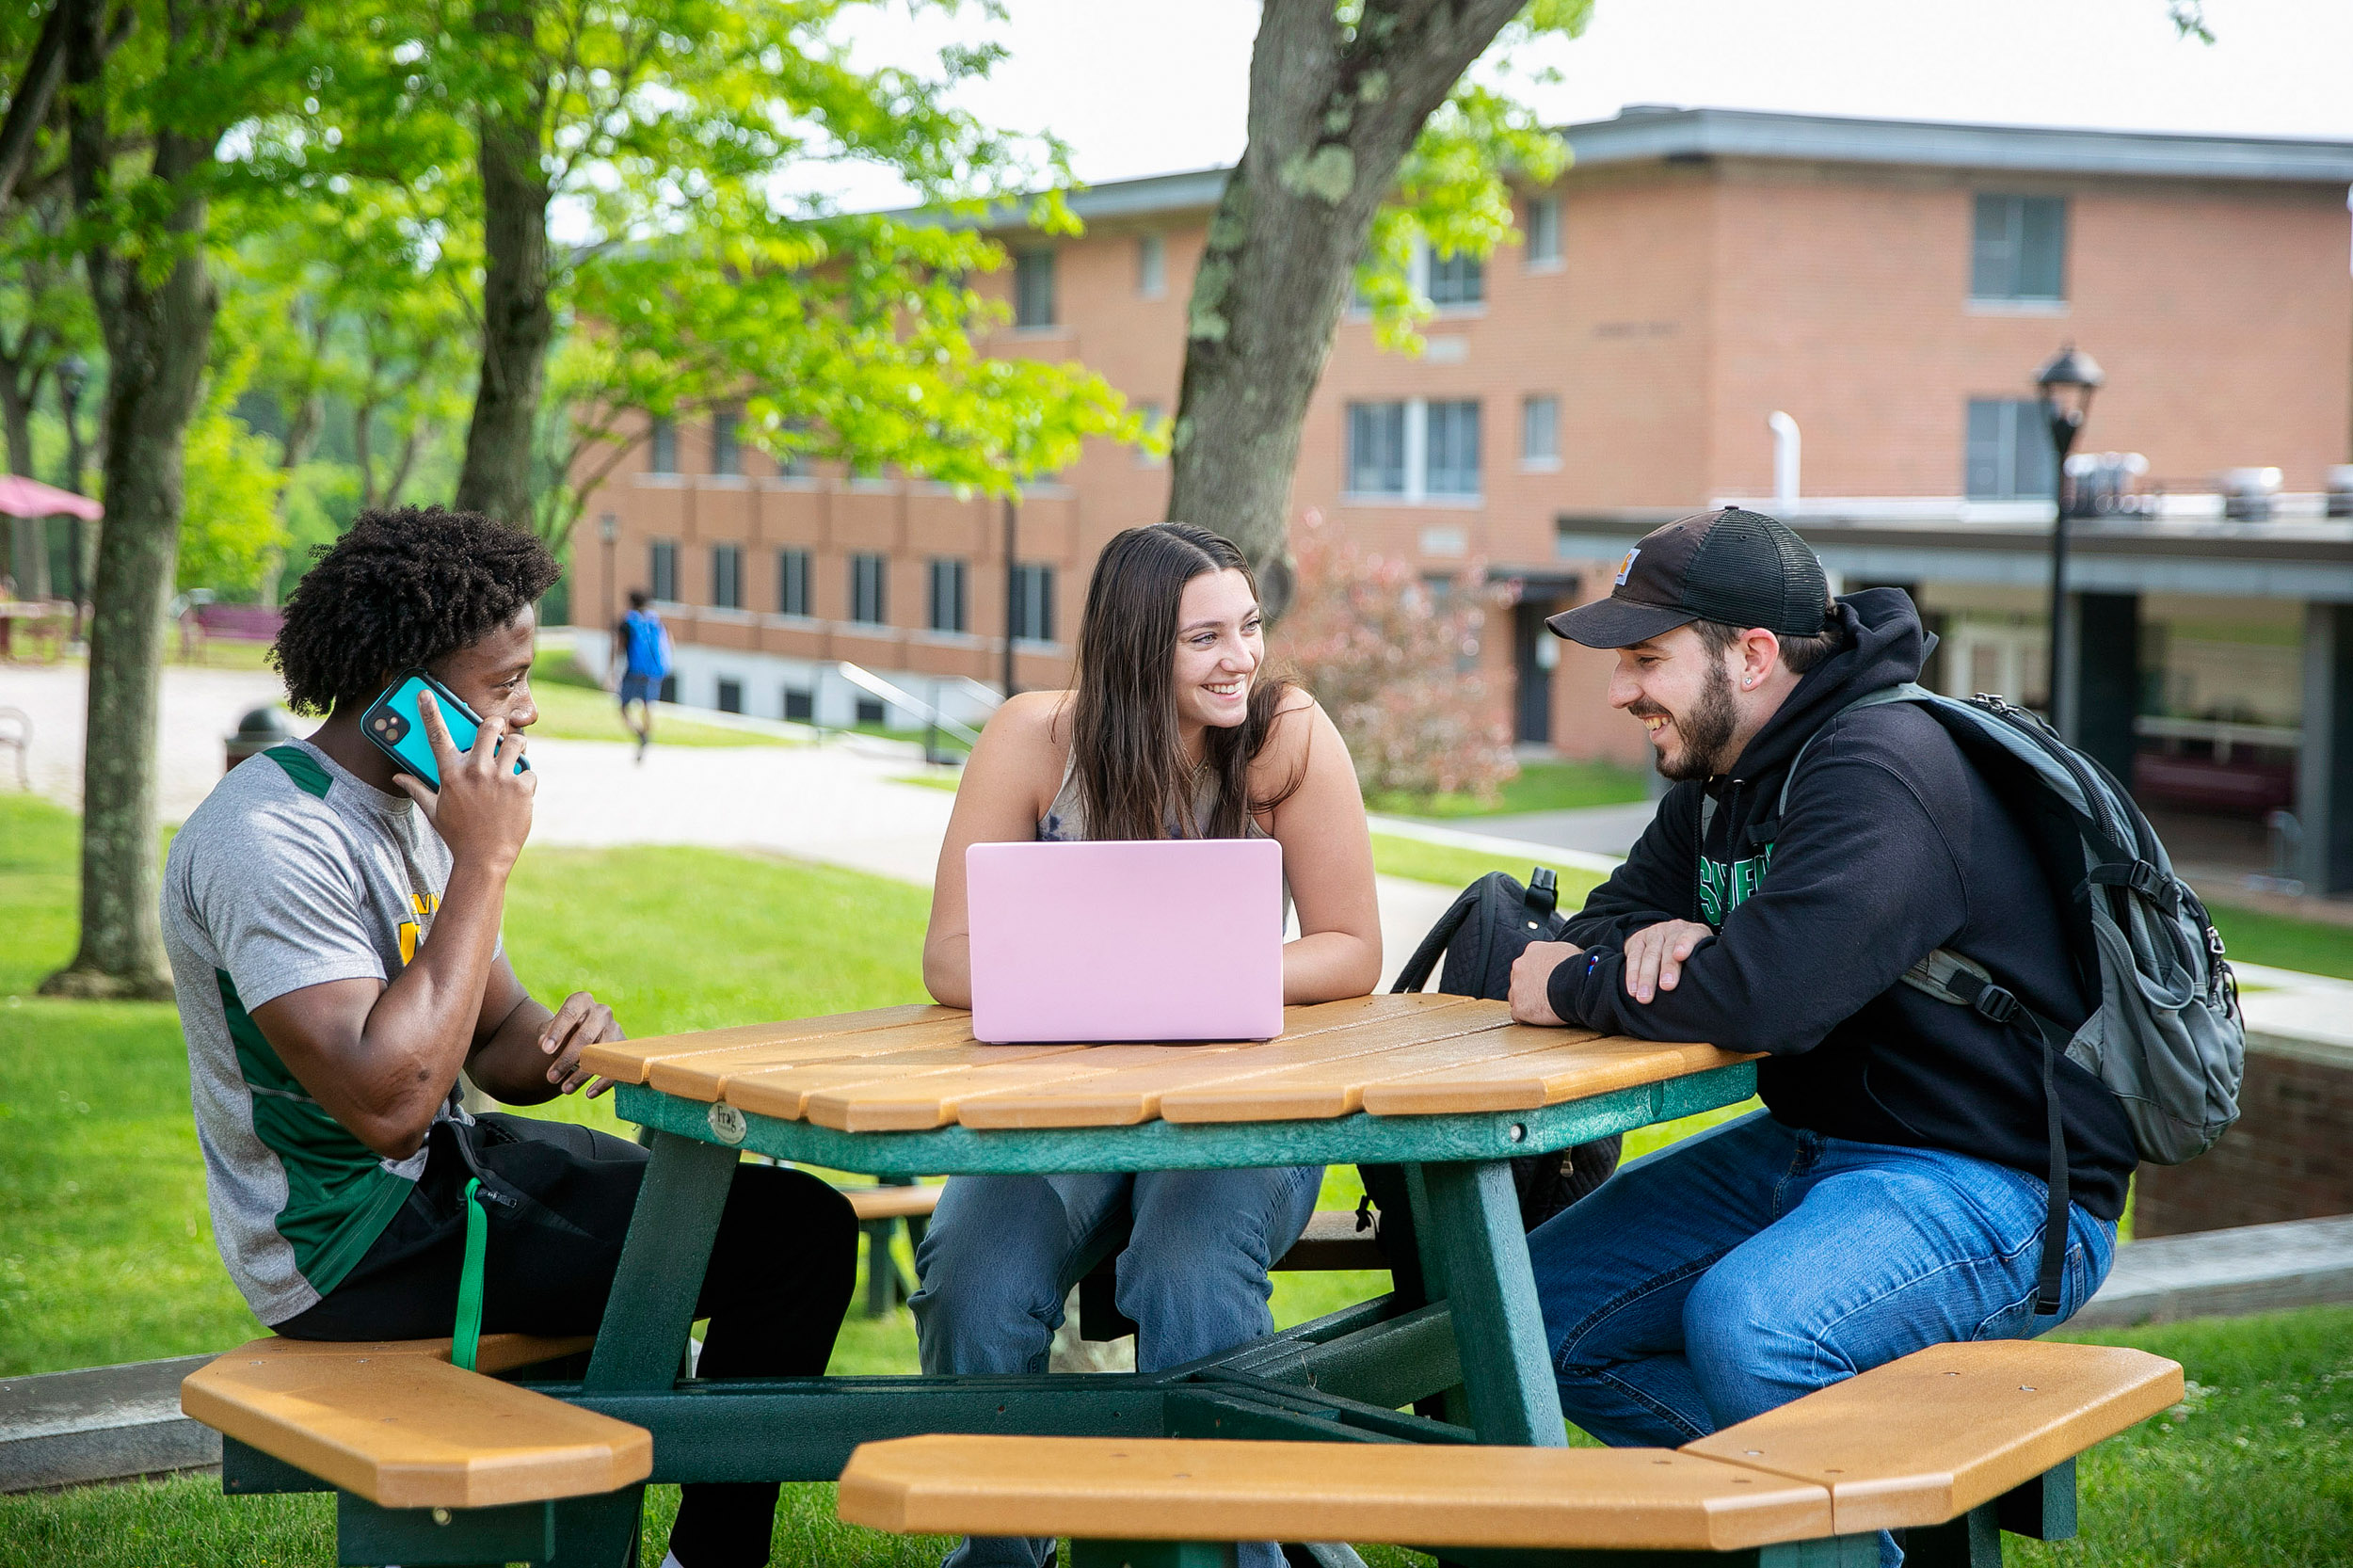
(292, 873)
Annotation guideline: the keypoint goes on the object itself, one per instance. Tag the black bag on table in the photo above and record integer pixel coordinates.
(1479, 937)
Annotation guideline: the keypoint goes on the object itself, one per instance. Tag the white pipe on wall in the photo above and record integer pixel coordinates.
(1785, 445)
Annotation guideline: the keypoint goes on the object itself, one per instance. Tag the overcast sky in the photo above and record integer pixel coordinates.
(1147, 86)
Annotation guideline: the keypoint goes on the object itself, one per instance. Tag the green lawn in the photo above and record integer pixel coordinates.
(2285, 943)
(1454, 866)
(1537, 787)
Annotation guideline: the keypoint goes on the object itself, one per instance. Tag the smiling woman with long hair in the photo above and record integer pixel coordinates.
(1173, 730)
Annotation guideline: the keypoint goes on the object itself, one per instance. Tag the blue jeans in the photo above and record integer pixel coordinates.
(1738, 1269)
(1003, 1251)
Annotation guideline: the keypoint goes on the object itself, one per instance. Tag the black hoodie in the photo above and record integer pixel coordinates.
(1891, 846)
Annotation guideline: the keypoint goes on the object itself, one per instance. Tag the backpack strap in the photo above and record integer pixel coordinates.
(1909, 691)
(1949, 977)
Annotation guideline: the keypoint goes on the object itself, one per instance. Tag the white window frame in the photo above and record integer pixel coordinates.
(1533, 460)
(1416, 491)
(1151, 264)
(726, 576)
(880, 564)
(1548, 259)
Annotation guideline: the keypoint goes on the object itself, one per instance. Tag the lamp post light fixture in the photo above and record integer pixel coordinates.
(73, 375)
(2066, 384)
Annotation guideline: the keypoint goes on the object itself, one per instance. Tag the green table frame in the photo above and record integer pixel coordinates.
(1478, 1339)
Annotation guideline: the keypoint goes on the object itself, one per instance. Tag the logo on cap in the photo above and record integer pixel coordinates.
(1626, 568)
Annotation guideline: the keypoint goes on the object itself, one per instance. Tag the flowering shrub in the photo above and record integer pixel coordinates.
(1396, 665)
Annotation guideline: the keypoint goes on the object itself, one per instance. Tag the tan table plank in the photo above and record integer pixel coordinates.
(910, 1103)
(1930, 1437)
(1221, 1489)
(626, 1060)
(1125, 1098)
(783, 1092)
(1573, 1071)
(413, 1431)
(705, 1076)
(1320, 1089)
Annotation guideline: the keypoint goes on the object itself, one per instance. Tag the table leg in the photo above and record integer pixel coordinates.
(1473, 1249)
(641, 1343)
(643, 1339)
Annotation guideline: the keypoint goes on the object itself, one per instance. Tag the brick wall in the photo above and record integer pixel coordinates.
(2288, 1159)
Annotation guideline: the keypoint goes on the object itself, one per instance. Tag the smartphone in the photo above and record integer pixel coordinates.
(395, 726)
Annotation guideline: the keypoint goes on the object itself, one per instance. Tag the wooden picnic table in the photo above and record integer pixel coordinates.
(1448, 1087)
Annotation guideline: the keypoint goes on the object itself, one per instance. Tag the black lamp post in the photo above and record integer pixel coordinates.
(2066, 384)
(73, 375)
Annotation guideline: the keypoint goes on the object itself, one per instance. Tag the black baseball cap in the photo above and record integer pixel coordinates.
(1740, 568)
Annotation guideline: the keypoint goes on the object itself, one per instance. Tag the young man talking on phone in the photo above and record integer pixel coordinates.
(333, 928)
(1893, 1192)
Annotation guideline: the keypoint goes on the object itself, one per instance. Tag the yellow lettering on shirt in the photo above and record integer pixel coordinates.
(408, 942)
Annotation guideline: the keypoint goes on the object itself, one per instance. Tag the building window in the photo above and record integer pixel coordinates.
(662, 444)
(1376, 448)
(792, 582)
(800, 705)
(730, 695)
(2020, 249)
(1543, 231)
(663, 570)
(868, 577)
(1034, 289)
(948, 595)
(1151, 266)
(1033, 610)
(1540, 432)
(1457, 280)
(1453, 448)
(724, 458)
(1155, 417)
(727, 576)
(870, 711)
(2009, 455)
(1414, 449)
(669, 689)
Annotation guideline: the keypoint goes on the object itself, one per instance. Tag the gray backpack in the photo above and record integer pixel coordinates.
(2167, 1038)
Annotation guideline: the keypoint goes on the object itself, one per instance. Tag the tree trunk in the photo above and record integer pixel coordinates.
(157, 333)
(1331, 118)
(27, 559)
(515, 320)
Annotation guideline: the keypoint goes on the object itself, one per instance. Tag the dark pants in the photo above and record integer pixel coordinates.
(780, 1276)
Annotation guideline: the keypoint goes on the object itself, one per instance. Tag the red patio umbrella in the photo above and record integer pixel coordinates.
(21, 497)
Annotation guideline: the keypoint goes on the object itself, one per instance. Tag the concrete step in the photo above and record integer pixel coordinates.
(103, 1423)
(2223, 1273)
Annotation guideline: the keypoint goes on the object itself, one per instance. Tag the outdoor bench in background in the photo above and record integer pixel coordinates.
(1952, 1445)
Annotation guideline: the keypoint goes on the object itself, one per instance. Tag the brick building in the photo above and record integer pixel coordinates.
(1890, 287)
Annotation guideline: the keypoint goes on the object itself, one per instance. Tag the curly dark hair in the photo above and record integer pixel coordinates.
(404, 586)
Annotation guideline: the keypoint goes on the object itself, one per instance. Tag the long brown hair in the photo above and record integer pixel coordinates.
(1134, 779)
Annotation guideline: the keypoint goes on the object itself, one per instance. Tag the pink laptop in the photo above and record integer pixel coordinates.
(1167, 940)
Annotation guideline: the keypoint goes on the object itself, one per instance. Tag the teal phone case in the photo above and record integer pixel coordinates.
(394, 726)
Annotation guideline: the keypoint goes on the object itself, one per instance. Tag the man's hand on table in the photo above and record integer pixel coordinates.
(581, 1022)
(1531, 981)
(1655, 955)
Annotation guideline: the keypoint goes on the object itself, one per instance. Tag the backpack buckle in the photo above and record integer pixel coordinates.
(1995, 1004)
(2142, 879)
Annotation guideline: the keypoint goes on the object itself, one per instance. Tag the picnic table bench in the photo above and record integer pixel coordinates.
(1448, 1087)
(1953, 1445)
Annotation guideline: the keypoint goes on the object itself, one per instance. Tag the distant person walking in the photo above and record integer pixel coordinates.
(643, 644)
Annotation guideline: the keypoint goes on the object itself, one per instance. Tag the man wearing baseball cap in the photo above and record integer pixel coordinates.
(1892, 1193)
